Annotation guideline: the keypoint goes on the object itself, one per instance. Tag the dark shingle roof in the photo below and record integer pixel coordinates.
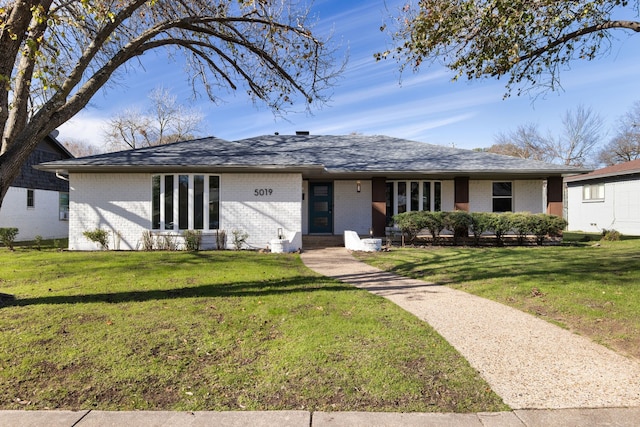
(347, 154)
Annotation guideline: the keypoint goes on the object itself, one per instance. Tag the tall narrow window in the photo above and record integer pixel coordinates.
(214, 202)
(63, 203)
(415, 196)
(437, 196)
(30, 199)
(402, 197)
(426, 196)
(183, 202)
(390, 204)
(155, 202)
(198, 202)
(168, 202)
(502, 197)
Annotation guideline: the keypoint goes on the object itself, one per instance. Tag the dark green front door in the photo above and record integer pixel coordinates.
(321, 207)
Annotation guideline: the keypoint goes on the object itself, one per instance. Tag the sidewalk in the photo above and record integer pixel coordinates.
(628, 417)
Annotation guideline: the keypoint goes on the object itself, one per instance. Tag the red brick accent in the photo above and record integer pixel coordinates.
(461, 191)
(554, 195)
(378, 206)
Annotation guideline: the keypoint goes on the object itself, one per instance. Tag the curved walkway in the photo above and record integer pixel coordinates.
(530, 363)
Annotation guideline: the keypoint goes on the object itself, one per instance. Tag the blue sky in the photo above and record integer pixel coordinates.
(369, 98)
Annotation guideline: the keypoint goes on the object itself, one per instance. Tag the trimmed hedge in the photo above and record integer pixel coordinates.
(464, 224)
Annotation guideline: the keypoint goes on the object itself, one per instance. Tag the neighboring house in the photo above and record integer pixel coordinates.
(37, 203)
(605, 199)
(292, 186)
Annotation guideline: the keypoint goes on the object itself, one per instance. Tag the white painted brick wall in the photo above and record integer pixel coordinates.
(261, 216)
(448, 196)
(115, 202)
(122, 202)
(527, 196)
(352, 210)
(43, 219)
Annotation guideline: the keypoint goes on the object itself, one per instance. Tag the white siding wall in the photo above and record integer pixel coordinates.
(261, 216)
(122, 202)
(351, 210)
(527, 196)
(115, 202)
(620, 209)
(43, 219)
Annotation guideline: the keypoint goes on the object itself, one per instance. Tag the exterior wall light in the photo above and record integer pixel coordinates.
(358, 186)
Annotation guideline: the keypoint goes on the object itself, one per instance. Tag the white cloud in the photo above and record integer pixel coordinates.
(84, 126)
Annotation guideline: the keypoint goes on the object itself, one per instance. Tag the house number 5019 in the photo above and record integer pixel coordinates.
(263, 192)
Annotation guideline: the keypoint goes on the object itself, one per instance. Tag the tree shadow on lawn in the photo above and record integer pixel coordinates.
(482, 265)
(246, 289)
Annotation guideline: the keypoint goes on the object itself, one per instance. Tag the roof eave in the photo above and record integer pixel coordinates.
(67, 168)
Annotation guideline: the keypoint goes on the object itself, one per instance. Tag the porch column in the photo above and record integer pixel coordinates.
(378, 206)
(554, 196)
(461, 193)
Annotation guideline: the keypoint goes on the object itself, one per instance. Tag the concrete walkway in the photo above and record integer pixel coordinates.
(524, 418)
(528, 362)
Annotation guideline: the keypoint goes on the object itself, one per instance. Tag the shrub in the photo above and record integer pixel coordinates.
(147, 240)
(8, 236)
(556, 225)
(458, 222)
(98, 236)
(192, 239)
(540, 227)
(221, 239)
(37, 240)
(239, 239)
(521, 224)
(479, 223)
(410, 223)
(500, 224)
(611, 235)
(434, 222)
(166, 242)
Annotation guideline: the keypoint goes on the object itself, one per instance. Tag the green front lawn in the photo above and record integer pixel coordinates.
(590, 288)
(214, 331)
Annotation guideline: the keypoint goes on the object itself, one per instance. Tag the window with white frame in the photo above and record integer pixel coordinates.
(185, 202)
(405, 196)
(502, 197)
(593, 192)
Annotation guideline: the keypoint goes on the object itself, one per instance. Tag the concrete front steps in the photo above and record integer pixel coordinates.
(322, 241)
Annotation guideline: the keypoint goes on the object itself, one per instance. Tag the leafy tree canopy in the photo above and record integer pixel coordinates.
(57, 54)
(529, 40)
